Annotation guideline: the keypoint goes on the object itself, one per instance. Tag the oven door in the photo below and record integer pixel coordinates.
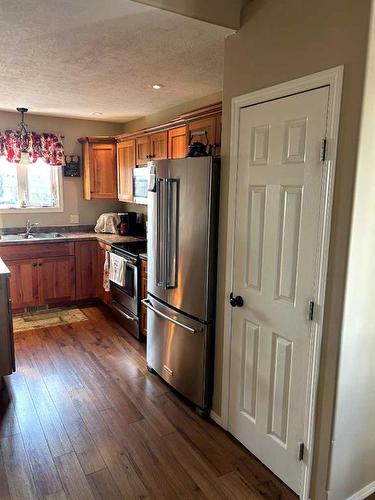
(127, 295)
(125, 300)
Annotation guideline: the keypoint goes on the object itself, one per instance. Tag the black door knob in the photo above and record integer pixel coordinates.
(236, 301)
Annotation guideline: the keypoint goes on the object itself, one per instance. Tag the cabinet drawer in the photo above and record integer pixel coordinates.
(36, 250)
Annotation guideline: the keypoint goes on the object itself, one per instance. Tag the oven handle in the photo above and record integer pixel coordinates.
(128, 263)
(146, 302)
(115, 306)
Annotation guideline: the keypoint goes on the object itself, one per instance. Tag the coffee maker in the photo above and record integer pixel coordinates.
(128, 224)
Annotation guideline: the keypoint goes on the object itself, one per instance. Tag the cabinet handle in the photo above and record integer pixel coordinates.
(40, 264)
(34, 265)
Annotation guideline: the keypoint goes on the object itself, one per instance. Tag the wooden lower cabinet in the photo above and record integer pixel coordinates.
(86, 268)
(143, 318)
(106, 297)
(24, 283)
(56, 276)
(43, 281)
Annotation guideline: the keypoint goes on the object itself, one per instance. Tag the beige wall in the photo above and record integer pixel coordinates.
(171, 113)
(72, 187)
(279, 41)
(353, 450)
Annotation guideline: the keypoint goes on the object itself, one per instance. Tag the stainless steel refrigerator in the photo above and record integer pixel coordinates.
(182, 250)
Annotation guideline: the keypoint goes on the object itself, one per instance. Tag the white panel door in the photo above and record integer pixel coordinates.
(276, 247)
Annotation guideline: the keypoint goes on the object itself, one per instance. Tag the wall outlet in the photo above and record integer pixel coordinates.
(74, 219)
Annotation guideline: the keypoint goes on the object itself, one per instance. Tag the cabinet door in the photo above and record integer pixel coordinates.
(143, 320)
(56, 279)
(125, 165)
(159, 146)
(23, 283)
(103, 171)
(177, 143)
(203, 125)
(86, 258)
(142, 149)
(102, 294)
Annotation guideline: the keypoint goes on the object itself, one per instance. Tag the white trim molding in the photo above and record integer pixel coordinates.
(216, 418)
(361, 494)
(333, 78)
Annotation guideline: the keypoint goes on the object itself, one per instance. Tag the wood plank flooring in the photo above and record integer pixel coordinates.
(83, 419)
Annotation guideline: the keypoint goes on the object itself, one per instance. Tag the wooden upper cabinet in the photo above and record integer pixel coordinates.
(86, 257)
(203, 125)
(99, 168)
(177, 146)
(56, 279)
(142, 149)
(125, 164)
(159, 146)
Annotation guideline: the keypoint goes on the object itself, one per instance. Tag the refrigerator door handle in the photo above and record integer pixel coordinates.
(160, 233)
(147, 303)
(171, 233)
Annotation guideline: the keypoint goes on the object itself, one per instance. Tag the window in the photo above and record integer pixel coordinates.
(29, 186)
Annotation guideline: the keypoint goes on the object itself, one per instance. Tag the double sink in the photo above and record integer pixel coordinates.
(30, 236)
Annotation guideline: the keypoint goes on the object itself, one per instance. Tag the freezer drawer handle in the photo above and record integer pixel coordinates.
(146, 302)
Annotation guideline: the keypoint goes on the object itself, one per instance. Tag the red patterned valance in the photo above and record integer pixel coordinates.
(46, 146)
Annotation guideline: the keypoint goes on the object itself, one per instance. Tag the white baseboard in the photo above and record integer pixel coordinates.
(364, 492)
(216, 418)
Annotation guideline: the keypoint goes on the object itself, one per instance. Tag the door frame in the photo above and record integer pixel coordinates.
(334, 78)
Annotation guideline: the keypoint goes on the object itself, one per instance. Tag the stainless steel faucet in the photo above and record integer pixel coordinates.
(29, 226)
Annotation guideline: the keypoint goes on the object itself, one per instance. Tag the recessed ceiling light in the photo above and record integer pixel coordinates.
(97, 113)
(157, 86)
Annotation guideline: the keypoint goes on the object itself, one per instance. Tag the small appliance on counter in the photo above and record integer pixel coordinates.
(107, 223)
(128, 224)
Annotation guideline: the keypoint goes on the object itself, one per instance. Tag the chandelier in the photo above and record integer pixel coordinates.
(25, 138)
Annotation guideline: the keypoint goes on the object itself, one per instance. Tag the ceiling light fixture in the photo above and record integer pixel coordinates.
(25, 138)
(157, 86)
(97, 113)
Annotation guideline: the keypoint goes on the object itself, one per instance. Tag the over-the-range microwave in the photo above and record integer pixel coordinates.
(140, 184)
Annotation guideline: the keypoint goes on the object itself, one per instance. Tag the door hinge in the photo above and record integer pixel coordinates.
(311, 310)
(301, 451)
(323, 149)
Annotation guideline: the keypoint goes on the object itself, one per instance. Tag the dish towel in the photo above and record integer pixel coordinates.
(106, 284)
(117, 269)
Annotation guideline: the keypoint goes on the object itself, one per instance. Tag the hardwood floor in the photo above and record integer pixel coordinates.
(83, 419)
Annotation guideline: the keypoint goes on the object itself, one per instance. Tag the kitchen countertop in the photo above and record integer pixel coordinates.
(72, 236)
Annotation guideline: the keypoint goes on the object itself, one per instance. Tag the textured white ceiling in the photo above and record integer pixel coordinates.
(76, 57)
